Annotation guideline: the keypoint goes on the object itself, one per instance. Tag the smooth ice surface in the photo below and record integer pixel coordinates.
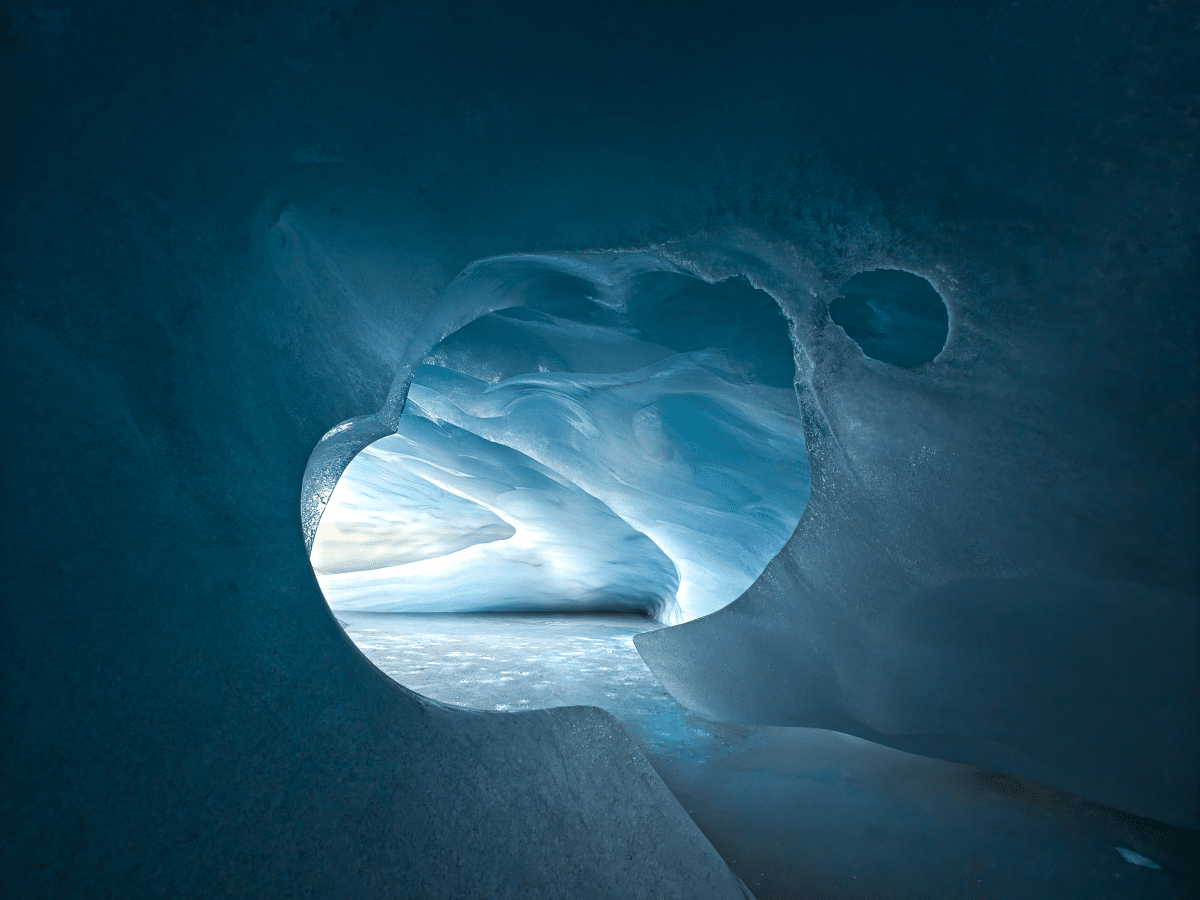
(594, 474)
(797, 812)
(1071, 682)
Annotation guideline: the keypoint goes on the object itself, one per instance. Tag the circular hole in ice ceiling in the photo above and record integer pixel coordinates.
(894, 316)
(565, 475)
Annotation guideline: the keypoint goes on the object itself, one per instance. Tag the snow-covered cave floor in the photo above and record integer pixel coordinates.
(796, 812)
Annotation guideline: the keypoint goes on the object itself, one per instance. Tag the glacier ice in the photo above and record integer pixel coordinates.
(894, 316)
(576, 460)
(546, 545)
(392, 516)
(174, 682)
(1137, 859)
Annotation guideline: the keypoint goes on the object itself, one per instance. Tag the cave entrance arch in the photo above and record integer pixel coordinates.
(602, 459)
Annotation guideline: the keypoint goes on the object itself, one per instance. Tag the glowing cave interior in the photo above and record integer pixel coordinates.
(642, 455)
(600, 450)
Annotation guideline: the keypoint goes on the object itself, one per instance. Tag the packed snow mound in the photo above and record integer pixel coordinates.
(506, 533)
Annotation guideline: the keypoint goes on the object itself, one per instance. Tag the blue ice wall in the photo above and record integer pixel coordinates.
(226, 230)
(629, 476)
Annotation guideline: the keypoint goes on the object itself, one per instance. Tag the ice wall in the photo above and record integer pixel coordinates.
(953, 588)
(698, 455)
(224, 228)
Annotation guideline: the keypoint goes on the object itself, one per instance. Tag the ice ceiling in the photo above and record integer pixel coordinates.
(638, 449)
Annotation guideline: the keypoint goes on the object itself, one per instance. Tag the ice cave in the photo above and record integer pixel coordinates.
(625, 444)
(603, 450)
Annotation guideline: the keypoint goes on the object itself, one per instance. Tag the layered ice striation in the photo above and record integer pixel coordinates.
(580, 457)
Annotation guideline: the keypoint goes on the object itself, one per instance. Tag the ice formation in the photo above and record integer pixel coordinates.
(657, 481)
(392, 516)
(1137, 859)
(182, 715)
(894, 316)
(547, 543)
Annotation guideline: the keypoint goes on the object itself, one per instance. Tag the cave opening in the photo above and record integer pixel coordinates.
(894, 316)
(598, 461)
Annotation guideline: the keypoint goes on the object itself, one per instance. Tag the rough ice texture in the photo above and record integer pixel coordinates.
(183, 717)
(329, 459)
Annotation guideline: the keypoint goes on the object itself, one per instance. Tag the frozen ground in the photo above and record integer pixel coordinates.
(796, 812)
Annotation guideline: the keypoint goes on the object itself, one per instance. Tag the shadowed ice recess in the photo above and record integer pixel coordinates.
(644, 457)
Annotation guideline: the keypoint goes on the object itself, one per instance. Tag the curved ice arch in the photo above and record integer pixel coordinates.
(703, 451)
(483, 287)
(566, 328)
(711, 468)
(552, 546)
